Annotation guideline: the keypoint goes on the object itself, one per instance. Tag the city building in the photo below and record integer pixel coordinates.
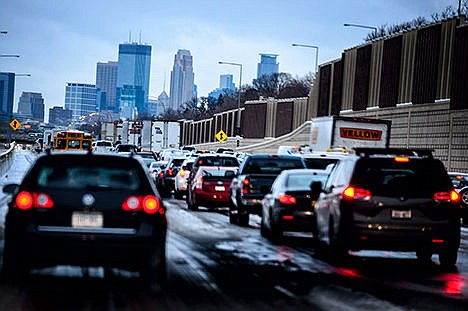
(31, 106)
(267, 65)
(182, 79)
(81, 99)
(133, 75)
(59, 115)
(7, 94)
(225, 86)
(106, 81)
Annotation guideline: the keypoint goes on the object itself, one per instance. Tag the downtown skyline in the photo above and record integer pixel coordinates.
(59, 43)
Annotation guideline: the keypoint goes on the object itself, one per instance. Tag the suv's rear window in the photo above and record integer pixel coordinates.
(319, 163)
(416, 178)
(217, 161)
(271, 165)
(85, 177)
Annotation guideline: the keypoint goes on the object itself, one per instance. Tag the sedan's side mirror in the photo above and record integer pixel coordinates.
(316, 188)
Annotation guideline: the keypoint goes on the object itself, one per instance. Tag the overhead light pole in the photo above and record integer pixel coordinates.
(8, 55)
(238, 126)
(316, 52)
(362, 26)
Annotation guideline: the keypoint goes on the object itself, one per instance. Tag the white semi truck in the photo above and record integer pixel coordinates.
(337, 132)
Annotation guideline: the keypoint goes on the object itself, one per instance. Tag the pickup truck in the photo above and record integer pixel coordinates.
(256, 175)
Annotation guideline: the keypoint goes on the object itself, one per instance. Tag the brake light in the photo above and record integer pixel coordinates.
(24, 200)
(169, 171)
(42, 200)
(245, 186)
(161, 174)
(451, 196)
(287, 199)
(401, 159)
(151, 204)
(131, 204)
(356, 193)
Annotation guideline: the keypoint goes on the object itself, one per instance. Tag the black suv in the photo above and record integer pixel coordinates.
(390, 199)
(85, 210)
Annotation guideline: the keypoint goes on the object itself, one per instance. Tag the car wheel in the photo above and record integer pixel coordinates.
(263, 229)
(178, 195)
(337, 250)
(154, 272)
(464, 198)
(190, 205)
(448, 257)
(424, 256)
(232, 216)
(14, 267)
(275, 232)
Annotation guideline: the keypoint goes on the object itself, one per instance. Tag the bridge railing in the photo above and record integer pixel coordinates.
(7, 158)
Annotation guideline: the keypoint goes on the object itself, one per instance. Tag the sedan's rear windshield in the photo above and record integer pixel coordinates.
(271, 165)
(416, 178)
(85, 177)
(217, 161)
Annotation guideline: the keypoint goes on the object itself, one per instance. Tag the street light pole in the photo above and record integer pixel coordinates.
(8, 55)
(238, 126)
(316, 52)
(362, 26)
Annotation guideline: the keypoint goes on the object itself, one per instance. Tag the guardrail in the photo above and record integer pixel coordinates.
(7, 158)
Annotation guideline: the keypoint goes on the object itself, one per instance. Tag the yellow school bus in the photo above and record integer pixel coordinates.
(72, 140)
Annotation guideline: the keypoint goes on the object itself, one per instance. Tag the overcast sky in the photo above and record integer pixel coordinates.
(61, 41)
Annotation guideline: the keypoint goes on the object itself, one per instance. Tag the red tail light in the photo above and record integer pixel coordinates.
(42, 200)
(26, 200)
(451, 196)
(169, 172)
(150, 204)
(401, 159)
(161, 174)
(287, 199)
(356, 193)
(182, 173)
(245, 186)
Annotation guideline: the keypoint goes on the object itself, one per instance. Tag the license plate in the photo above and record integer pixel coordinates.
(219, 188)
(87, 219)
(401, 214)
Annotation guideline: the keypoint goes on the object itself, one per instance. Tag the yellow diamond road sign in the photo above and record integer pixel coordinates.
(221, 136)
(15, 124)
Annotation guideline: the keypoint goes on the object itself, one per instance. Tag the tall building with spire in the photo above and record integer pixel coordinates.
(133, 75)
(182, 79)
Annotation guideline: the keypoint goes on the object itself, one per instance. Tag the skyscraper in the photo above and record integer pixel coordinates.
(225, 82)
(7, 94)
(182, 79)
(59, 116)
(133, 75)
(106, 81)
(267, 65)
(31, 105)
(80, 98)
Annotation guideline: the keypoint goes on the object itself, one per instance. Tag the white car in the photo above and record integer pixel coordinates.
(180, 182)
(155, 167)
(102, 146)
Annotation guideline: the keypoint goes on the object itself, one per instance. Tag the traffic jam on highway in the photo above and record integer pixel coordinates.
(353, 228)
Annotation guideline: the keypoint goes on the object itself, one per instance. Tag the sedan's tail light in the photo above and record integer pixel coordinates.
(169, 172)
(199, 183)
(356, 193)
(26, 200)
(451, 196)
(150, 204)
(287, 199)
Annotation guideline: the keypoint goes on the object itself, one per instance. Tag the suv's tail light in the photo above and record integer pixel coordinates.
(356, 193)
(169, 172)
(401, 159)
(287, 199)
(150, 204)
(451, 196)
(245, 185)
(26, 200)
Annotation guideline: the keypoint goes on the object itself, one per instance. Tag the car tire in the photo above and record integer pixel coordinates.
(424, 256)
(464, 198)
(263, 229)
(178, 195)
(232, 216)
(154, 275)
(448, 257)
(191, 206)
(337, 251)
(14, 267)
(242, 215)
(276, 234)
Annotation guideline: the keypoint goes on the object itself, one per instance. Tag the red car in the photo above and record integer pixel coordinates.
(210, 187)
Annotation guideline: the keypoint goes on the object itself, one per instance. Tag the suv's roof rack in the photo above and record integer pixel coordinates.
(365, 152)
